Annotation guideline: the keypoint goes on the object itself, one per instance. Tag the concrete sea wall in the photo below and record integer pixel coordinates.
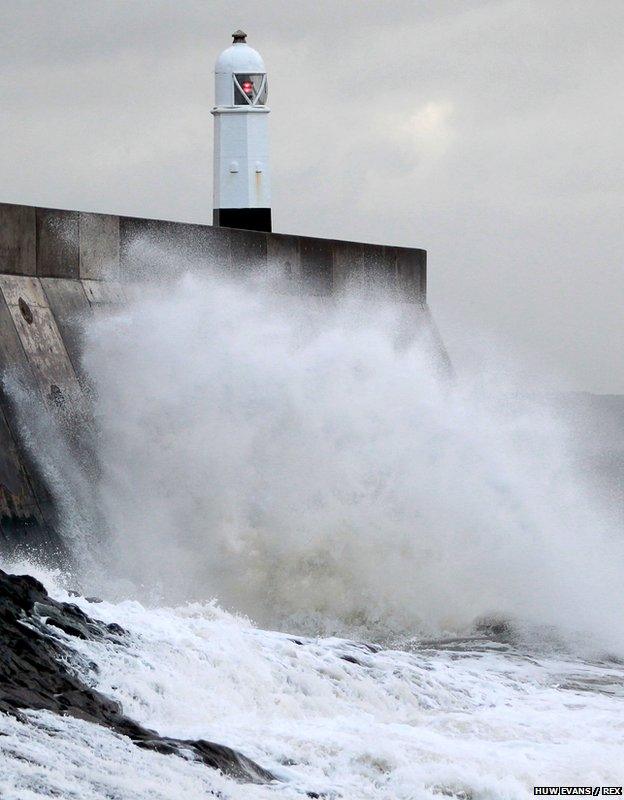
(57, 267)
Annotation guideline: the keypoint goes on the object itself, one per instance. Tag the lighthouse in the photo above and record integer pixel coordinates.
(242, 189)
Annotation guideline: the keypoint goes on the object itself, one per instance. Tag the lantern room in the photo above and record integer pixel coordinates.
(240, 76)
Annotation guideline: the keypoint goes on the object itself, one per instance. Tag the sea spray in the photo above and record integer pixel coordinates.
(309, 463)
(303, 461)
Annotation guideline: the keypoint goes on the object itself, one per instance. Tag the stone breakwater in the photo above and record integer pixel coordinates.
(60, 268)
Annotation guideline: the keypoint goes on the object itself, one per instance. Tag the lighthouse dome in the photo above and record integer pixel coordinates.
(240, 75)
(239, 57)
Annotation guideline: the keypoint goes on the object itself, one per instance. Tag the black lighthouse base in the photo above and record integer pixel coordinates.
(251, 219)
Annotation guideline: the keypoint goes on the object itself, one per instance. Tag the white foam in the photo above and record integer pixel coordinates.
(304, 464)
(395, 725)
(63, 757)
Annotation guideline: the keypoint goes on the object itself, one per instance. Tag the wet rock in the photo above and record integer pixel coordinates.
(500, 629)
(350, 659)
(34, 674)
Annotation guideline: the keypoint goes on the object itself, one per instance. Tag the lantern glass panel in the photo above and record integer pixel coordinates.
(250, 89)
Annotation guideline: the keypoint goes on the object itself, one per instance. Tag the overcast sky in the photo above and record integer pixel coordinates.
(490, 132)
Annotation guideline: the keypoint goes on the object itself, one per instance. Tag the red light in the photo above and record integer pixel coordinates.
(248, 87)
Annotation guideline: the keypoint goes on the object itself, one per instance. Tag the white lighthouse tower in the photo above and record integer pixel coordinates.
(242, 189)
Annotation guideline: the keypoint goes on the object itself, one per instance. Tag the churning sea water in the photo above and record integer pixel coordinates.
(373, 581)
(473, 718)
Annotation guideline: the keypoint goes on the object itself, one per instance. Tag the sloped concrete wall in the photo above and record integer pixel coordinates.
(57, 267)
(323, 266)
(50, 243)
(40, 350)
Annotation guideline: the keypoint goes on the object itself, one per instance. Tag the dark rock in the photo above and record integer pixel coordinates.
(497, 628)
(34, 674)
(351, 659)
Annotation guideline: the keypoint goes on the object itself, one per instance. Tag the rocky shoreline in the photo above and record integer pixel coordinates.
(35, 673)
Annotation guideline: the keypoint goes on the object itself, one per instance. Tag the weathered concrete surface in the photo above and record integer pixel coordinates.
(70, 307)
(36, 372)
(17, 240)
(70, 244)
(100, 293)
(22, 524)
(41, 346)
(39, 336)
(59, 267)
(18, 508)
(156, 249)
(150, 248)
(52, 243)
(283, 254)
(99, 246)
(58, 243)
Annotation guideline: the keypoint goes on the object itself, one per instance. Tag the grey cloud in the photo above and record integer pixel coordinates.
(515, 187)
